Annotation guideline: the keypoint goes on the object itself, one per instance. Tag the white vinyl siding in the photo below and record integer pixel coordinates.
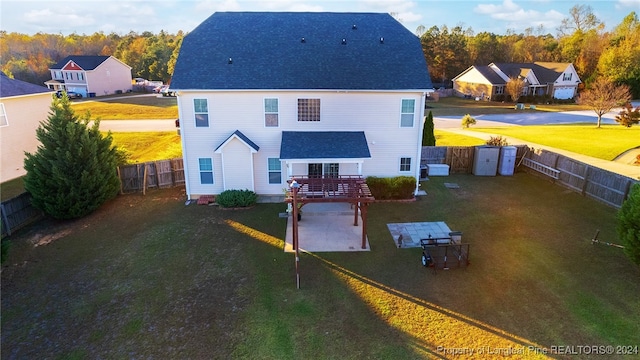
(201, 111)
(407, 112)
(271, 112)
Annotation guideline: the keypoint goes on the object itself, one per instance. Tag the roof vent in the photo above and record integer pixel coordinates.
(230, 61)
(303, 40)
(381, 40)
(344, 41)
(354, 27)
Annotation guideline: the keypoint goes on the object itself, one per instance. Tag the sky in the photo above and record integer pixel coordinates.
(123, 16)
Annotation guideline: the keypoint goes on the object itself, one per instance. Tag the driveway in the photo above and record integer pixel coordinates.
(538, 118)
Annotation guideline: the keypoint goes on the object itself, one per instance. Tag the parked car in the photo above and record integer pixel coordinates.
(165, 91)
(70, 94)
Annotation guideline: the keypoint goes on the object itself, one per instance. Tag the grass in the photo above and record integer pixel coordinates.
(606, 142)
(148, 277)
(129, 108)
(455, 106)
(149, 146)
(446, 138)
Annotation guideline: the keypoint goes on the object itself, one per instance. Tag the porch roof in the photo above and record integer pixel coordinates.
(324, 145)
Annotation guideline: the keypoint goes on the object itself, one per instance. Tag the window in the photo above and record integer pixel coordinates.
(308, 109)
(201, 112)
(270, 112)
(275, 171)
(499, 90)
(566, 77)
(206, 170)
(405, 164)
(80, 76)
(406, 115)
(3, 116)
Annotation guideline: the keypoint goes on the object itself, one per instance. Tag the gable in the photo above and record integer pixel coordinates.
(72, 66)
(270, 50)
(85, 62)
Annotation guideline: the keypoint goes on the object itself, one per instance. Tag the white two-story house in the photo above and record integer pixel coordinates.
(90, 75)
(267, 96)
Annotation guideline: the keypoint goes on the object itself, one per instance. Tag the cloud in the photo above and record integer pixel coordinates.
(621, 4)
(64, 16)
(515, 17)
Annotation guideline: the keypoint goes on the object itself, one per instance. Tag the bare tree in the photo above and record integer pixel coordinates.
(603, 95)
(581, 19)
(514, 88)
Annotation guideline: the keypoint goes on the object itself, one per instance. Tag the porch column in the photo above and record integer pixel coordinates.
(363, 210)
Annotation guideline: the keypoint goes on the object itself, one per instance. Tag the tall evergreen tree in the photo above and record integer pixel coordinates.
(73, 171)
(428, 137)
(628, 228)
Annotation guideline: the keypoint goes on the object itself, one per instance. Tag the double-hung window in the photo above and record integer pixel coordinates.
(271, 112)
(206, 170)
(201, 112)
(405, 164)
(3, 116)
(275, 171)
(407, 112)
(308, 109)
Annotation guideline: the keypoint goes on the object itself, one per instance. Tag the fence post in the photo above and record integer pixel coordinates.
(586, 180)
(5, 220)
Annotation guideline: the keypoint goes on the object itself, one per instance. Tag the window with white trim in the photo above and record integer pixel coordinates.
(206, 170)
(566, 76)
(407, 112)
(201, 111)
(3, 116)
(405, 164)
(308, 109)
(275, 171)
(271, 112)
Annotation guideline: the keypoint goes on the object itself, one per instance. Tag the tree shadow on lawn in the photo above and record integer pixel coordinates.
(147, 276)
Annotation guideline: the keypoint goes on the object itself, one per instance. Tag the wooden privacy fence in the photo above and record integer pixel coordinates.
(459, 158)
(602, 185)
(154, 174)
(17, 212)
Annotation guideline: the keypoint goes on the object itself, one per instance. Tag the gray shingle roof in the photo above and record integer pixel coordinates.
(324, 145)
(86, 62)
(12, 87)
(294, 50)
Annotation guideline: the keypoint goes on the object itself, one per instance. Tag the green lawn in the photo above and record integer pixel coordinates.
(148, 277)
(129, 108)
(149, 146)
(605, 143)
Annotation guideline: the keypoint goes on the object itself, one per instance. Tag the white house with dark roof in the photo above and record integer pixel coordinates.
(22, 107)
(267, 96)
(95, 75)
(558, 80)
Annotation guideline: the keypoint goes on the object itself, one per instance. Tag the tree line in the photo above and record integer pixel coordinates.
(580, 39)
(29, 57)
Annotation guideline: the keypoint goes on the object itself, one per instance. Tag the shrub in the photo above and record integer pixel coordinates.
(237, 198)
(497, 141)
(467, 121)
(428, 137)
(392, 188)
(628, 228)
(73, 171)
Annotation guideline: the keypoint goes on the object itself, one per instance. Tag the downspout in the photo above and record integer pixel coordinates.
(419, 154)
(185, 166)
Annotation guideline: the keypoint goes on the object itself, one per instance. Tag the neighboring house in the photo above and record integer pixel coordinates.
(22, 107)
(558, 80)
(266, 96)
(90, 75)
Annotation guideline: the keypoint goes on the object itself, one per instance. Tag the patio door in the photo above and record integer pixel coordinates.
(331, 171)
(315, 172)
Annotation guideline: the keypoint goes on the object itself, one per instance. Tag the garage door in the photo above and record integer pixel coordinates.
(563, 93)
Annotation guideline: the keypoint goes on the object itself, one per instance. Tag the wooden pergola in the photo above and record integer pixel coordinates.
(344, 188)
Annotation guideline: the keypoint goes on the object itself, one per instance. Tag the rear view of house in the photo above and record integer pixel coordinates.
(264, 97)
(90, 75)
(556, 80)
